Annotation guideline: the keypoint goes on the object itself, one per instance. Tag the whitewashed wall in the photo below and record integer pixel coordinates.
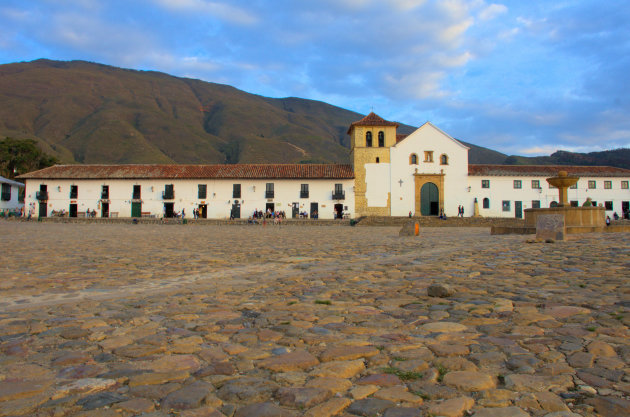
(377, 180)
(218, 198)
(429, 138)
(14, 202)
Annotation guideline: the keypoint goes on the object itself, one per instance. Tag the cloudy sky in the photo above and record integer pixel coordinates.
(521, 77)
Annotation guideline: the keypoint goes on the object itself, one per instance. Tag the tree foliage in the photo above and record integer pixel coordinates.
(18, 156)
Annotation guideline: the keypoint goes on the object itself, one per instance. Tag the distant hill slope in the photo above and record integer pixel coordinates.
(83, 112)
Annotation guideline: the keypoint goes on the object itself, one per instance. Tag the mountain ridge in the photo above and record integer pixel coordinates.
(84, 112)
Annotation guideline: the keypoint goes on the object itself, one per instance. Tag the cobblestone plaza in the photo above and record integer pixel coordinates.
(200, 320)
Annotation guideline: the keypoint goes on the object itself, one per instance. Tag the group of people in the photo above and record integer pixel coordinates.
(460, 211)
(89, 213)
(269, 214)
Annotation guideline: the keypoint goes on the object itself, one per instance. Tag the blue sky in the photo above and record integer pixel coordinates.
(521, 77)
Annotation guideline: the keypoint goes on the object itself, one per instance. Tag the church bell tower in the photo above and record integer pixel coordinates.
(370, 142)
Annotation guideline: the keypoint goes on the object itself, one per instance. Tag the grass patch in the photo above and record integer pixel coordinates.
(403, 375)
(399, 358)
(290, 303)
(325, 302)
(591, 328)
(421, 395)
(441, 371)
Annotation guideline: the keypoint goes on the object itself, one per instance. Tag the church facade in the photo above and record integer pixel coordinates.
(425, 173)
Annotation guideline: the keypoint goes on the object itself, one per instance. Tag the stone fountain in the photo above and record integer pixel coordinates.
(556, 222)
(565, 219)
(562, 182)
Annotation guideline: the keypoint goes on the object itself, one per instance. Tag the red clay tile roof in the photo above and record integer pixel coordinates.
(237, 171)
(371, 120)
(546, 170)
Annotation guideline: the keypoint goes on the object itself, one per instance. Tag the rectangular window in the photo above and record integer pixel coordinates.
(74, 191)
(428, 156)
(6, 192)
(607, 185)
(169, 192)
(338, 194)
(574, 203)
(535, 203)
(536, 184)
(574, 186)
(608, 205)
(202, 191)
(136, 192)
(518, 184)
(105, 192)
(506, 205)
(236, 190)
(592, 185)
(269, 190)
(304, 191)
(624, 185)
(485, 183)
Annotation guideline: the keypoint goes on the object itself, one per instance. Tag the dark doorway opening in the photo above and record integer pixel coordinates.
(338, 211)
(73, 210)
(203, 211)
(236, 210)
(169, 210)
(625, 209)
(43, 212)
(429, 200)
(269, 206)
(518, 209)
(295, 211)
(136, 209)
(104, 209)
(314, 208)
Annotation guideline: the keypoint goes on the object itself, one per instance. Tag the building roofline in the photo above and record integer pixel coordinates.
(189, 171)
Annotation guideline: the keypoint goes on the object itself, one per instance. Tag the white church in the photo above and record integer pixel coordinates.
(423, 174)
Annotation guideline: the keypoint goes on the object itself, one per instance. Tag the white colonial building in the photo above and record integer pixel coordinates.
(423, 174)
(217, 191)
(12, 197)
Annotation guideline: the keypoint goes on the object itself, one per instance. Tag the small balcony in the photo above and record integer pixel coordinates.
(168, 195)
(74, 195)
(136, 196)
(338, 195)
(269, 194)
(303, 194)
(41, 195)
(105, 195)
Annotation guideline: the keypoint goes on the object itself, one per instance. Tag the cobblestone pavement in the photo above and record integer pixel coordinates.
(192, 321)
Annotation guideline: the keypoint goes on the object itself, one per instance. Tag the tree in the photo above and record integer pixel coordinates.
(18, 156)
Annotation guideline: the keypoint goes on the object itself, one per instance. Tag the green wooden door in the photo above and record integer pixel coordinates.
(518, 209)
(136, 209)
(429, 200)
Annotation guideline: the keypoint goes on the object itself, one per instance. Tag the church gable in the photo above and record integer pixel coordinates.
(430, 135)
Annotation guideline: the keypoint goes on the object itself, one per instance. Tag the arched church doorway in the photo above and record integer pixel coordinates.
(429, 200)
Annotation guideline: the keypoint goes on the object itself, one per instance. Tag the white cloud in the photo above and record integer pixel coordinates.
(492, 11)
(217, 9)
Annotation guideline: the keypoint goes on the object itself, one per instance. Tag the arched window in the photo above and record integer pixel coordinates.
(413, 159)
(381, 139)
(486, 203)
(368, 139)
(444, 159)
